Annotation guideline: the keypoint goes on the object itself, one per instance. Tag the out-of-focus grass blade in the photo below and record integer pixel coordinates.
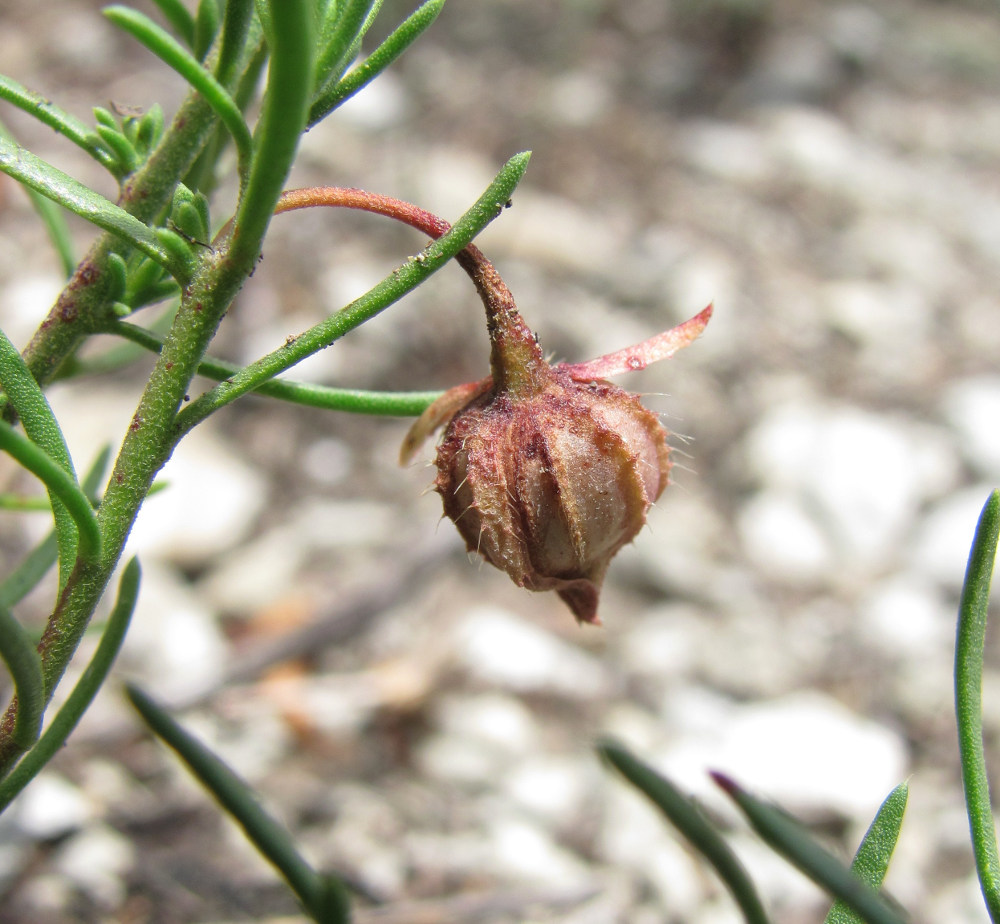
(687, 817)
(969, 645)
(25, 666)
(238, 799)
(790, 838)
(58, 730)
(873, 856)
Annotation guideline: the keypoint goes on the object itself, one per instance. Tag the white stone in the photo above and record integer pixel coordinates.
(862, 473)
(254, 575)
(907, 250)
(211, 498)
(51, 806)
(944, 536)
(804, 750)
(527, 852)
(211, 501)
(456, 759)
(499, 721)
(335, 524)
(25, 301)
(663, 643)
(578, 97)
(173, 642)
(732, 152)
(880, 315)
(781, 537)
(96, 860)
(379, 105)
(905, 615)
(971, 407)
(501, 649)
(327, 461)
(551, 788)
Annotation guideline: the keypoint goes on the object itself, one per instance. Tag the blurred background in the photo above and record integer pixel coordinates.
(827, 174)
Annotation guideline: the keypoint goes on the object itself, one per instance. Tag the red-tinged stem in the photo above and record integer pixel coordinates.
(516, 359)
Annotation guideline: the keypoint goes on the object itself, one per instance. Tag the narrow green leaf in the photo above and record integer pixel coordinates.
(25, 666)
(353, 401)
(338, 32)
(236, 22)
(790, 839)
(402, 280)
(42, 428)
(72, 195)
(386, 53)
(970, 642)
(54, 221)
(172, 53)
(237, 798)
(282, 121)
(206, 25)
(83, 693)
(685, 815)
(877, 846)
(180, 19)
(120, 146)
(23, 504)
(23, 579)
(28, 400)
(70, 127)
(60, 483)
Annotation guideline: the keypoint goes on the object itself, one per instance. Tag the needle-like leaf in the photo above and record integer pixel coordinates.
(970, 643)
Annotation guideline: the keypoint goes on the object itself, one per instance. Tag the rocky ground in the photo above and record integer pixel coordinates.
(827, 174)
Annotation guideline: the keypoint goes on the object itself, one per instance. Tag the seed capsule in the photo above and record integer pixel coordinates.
(549, 486)
(547, 471)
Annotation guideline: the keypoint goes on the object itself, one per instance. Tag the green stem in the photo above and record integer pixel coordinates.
(282, 121)
(871, 862)
(376, 300)
(144, 195)
(236, 22)
(970, 643)
(86, 688)
(352, 401)
(338, 32)
(179, 17)
(25, 577)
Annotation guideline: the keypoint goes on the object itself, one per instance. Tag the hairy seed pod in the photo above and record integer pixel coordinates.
(547, 471)
(549, 486)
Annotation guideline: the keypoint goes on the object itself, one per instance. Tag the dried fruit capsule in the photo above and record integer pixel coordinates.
(547, 471)
(548, 486)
